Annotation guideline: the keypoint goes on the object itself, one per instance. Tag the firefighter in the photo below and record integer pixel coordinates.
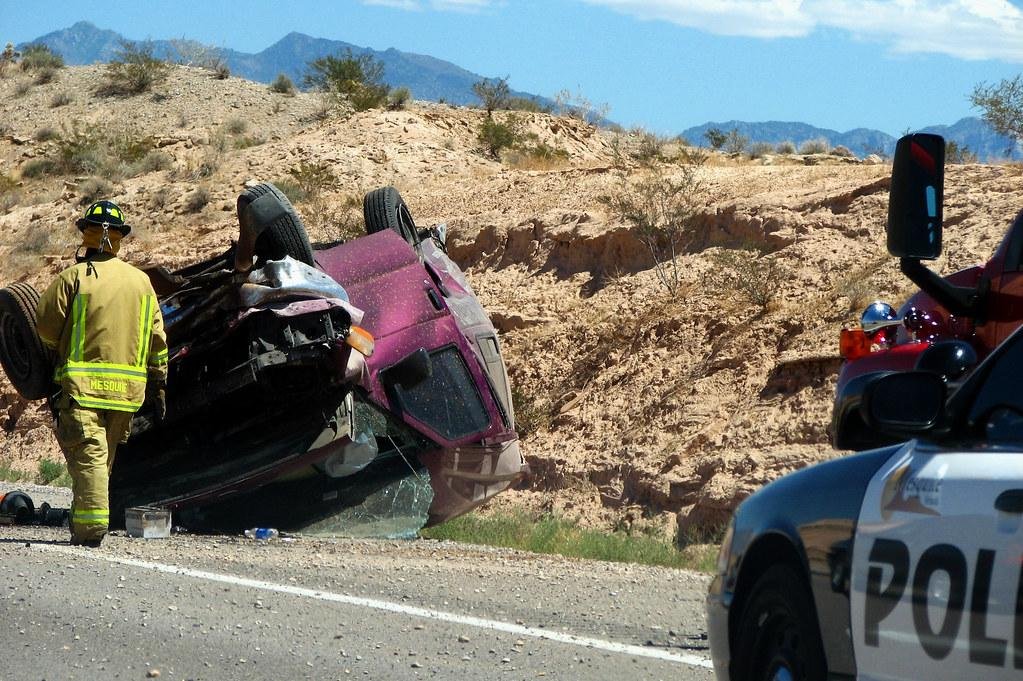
(102, 319)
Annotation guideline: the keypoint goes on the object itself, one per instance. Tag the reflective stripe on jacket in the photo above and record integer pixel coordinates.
(103, 320)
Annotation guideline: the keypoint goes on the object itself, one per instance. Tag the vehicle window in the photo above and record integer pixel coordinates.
(998, 401)
(448, 401)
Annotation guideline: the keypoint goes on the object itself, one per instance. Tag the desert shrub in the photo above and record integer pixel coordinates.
(39, 167)
(313, 178)
(153, 161)
(93, 189)
(715, 138)
(662, 209)
(399, 98)
(8, 58)
(355, 78)
(9, 194)
(80, 150)
(815, 146)
(129, 147)
(577, 105)
(959, 153)
(62, 98)
(246, 141)
(760, 149)
(22, 87)
(45, 134)
(282, 85)
(527, 104)
(650, 147)
(197, 200)
(496, 135)
(40, 57)
(292, 189)
(53, 473)
(44, 76)
(735, 142)
(786, 147)
(842, 152)
(493, 93)
(133, 71)
(753, 275)
(159, 198)
(235, 125)
(536, 156)
(220, 69)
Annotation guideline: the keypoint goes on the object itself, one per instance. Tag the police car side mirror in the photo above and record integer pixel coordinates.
(906, 404)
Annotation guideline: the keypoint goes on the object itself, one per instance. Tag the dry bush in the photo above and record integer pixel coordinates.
(22, 87)
(134, 70)
(235, 125)
(159, 198)
(93, 189)
(197, 200)
(46, 134)
(399, 98)
(220, 69)
(39, 58)
(9, 194)
(154, 160)
(661, 208)
(282, 85)
(44, 76)
(538, 156)
(759, 149)
(577, 105)
(786, 147)
(62, 98)
(754, 275)
(857, 286)
(815, 146)
(39, 167)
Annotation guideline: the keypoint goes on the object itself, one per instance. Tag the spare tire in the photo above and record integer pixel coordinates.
(385, 209)
(284, 234)
(26, 361)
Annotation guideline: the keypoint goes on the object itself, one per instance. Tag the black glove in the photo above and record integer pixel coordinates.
(156, 396)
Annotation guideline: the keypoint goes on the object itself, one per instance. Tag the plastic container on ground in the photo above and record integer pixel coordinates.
(262, 533)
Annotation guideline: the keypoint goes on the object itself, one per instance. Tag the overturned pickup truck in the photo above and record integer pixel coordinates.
(310, 384)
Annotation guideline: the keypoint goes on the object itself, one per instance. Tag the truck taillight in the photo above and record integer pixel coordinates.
(854, 343)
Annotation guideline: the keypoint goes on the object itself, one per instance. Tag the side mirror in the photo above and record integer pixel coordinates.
(904, 404)
(914, 204)
(410, 371)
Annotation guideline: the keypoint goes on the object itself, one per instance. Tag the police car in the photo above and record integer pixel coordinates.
(904, 562)
(897, 563)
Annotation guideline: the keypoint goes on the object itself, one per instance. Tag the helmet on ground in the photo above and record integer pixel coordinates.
(103, 214)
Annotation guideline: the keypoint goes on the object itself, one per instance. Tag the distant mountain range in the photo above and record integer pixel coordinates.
(438, 80)
(971, 132)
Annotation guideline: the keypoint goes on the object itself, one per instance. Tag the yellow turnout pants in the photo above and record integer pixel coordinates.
(89, 439)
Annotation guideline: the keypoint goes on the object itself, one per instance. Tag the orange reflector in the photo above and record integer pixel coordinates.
(361, 340)
(853, 343)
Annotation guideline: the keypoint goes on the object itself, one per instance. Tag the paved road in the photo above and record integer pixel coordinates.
(202, 607)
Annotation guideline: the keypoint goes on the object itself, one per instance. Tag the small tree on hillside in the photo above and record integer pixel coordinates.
(735, 142)
(356, 78)
(494, 94)
(1002, 105)
(662, 207)
(715, 138)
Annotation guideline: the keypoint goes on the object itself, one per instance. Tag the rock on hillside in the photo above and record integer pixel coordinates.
(637, 409)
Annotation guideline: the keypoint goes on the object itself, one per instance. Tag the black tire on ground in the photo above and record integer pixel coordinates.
(284, 236)
(383, 209)
(27, 363)
(777, 636)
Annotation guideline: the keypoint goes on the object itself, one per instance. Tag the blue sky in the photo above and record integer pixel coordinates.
(663, 64)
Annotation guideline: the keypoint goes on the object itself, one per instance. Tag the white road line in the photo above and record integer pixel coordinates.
(495, 625)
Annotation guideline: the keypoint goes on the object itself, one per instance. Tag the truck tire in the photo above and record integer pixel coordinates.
(384, 209)
(284, 236)
(27, 363)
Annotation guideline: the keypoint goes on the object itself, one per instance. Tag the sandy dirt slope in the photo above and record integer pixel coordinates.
(638, 409)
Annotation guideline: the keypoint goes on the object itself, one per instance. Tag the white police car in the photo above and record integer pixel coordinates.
(904, 562)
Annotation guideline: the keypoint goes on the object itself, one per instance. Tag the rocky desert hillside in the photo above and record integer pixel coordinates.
(638, 408)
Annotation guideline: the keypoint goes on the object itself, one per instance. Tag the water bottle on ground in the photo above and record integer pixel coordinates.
(262, 533)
